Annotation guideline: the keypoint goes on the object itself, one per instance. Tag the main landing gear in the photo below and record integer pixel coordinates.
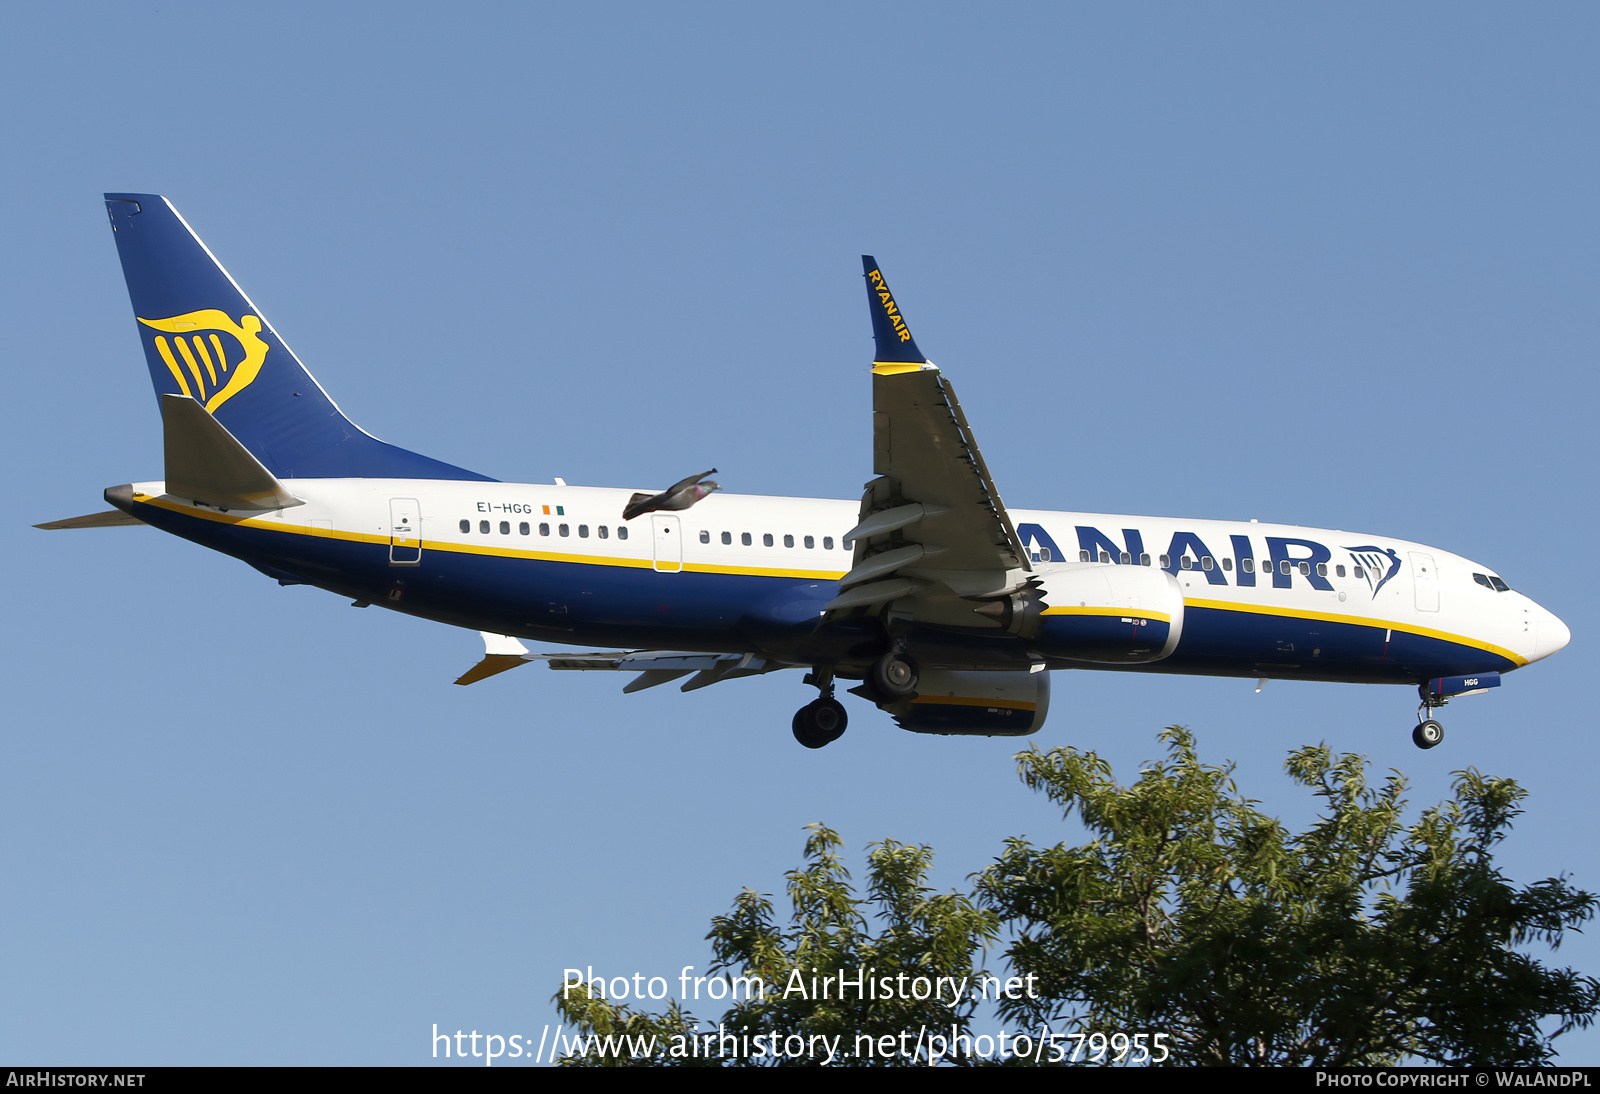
(1428, 732)
(823, 721)
(894, 675)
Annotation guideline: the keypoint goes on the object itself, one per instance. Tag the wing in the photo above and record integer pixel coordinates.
(934, 535)
(502, 652)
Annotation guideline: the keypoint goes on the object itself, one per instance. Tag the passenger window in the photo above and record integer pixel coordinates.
(1166, 560)
(483, 527)
(1322, 569)
(1357, 571)
(1227, 564)
(505, 528)
(744, 538)
(544, 529)
(705, 536)
(1338, 571)
(1283, 566)
(1144, 560)
(1186, 562)
(1105, 558)
(1083, 556)
(622, 533)
(563, 529)
(727, 537)
(827, 543)
(1125, 558)
(583, 531)
(1206, 563)
(1248, 565)
(1305, 569)
(522, 528)
(766, 540)
(466, 526)
(788, 541)
(605, 533)
(811, 543)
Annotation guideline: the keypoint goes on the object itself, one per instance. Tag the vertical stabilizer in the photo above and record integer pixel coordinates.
(204, 338)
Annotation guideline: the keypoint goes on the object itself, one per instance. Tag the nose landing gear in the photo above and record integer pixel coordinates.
(1429, 732)
(822, 721)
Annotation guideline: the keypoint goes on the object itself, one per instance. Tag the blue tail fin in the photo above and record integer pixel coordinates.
(204, 338)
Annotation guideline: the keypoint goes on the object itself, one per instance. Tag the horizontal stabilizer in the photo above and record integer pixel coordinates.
(115, 518)
(493, 664)
(206, 463)
(500, 653)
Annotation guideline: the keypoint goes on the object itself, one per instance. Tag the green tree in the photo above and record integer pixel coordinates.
(1189, 914)
(1358, 941)
(921, 934)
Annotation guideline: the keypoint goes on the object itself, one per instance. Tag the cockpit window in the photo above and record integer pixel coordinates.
(1482, 579)
(1499, 586)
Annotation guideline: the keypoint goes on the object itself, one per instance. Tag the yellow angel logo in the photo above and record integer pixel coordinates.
(212, 378)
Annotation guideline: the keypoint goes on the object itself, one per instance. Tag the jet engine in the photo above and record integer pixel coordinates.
(975, 704)
(1107, 614)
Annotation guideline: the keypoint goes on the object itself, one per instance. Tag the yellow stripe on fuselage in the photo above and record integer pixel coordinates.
(1359, 621)
(1119, 613)
(476, 549)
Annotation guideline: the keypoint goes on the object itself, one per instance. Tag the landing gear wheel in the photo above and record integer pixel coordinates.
(894, 675)
(819, 723)
(1427, 734)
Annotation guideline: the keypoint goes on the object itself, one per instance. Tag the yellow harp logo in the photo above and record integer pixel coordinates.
(216, 357)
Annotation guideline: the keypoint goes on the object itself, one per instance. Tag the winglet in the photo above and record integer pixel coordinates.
(895, 350)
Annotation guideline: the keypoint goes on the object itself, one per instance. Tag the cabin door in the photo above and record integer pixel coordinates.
(405, 532)
(1425, 577)
(669, 543)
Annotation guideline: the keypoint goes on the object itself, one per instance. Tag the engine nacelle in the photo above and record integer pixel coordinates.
(1109, 614)
(975, 704)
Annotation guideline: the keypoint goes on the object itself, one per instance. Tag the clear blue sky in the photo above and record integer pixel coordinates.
(1332, 265)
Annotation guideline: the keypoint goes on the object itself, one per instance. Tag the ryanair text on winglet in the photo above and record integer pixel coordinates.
(889, 308)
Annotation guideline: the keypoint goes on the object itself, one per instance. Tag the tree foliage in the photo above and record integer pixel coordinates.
(921, 934)
(1358, 941)
(1362, 940)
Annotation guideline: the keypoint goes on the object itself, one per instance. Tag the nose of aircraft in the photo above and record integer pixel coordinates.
(1552, 634)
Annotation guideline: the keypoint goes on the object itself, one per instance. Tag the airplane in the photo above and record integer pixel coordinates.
(948, 609)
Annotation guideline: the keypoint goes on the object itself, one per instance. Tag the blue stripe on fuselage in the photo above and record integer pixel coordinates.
(632, 606)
